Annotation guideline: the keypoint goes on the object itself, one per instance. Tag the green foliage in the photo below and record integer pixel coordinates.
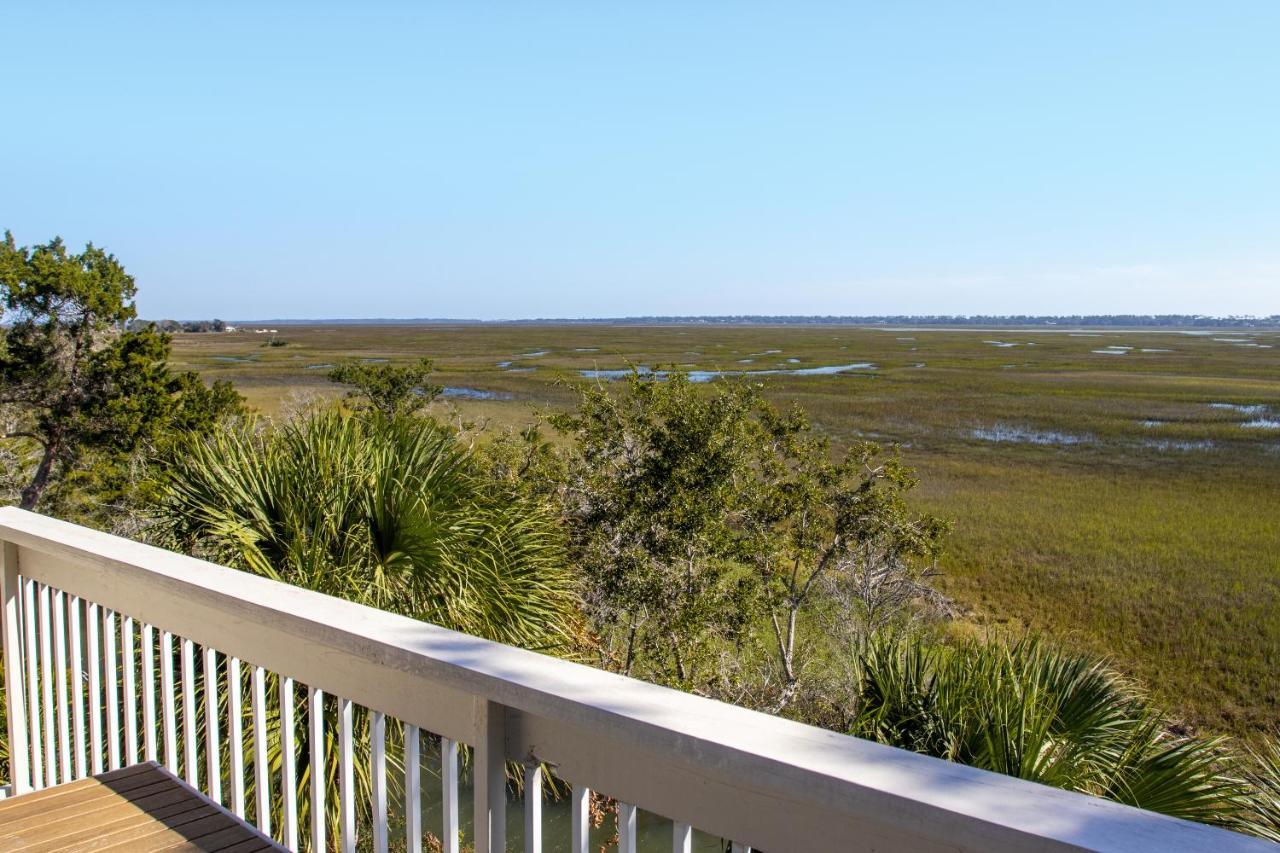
(389, 513)
(700, 513)
(1028, 710)
(1263, 775)
(390, 389)
(87, 393)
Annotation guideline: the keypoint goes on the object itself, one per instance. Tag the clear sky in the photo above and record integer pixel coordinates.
(500, 160)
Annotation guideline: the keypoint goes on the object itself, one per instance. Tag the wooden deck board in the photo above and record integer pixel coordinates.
(140, 808)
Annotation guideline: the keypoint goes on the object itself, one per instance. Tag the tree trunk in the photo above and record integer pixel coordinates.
(35, 489)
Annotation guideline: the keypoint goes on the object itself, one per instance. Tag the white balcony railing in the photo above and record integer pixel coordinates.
(117, 652)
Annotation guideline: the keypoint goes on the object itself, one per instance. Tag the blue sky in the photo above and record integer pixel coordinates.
(501, 160)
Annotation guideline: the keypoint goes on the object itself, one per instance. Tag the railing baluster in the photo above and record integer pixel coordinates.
(378, 770)
(113, 696)
(449, 797)
(190, 763)
(735, 847)
(261, 773)
(626, 828)
(315, 720)
(130, 691)
(46, 686)
(93, 625)
(74, 622)
(580, 799)
(346, 788)
(149, 691)
(235, 736)
(60, 664)
(167, 702)
(681, 838)
(412, 791)
(212, 746)
(29, 649)
(533, 808)
(288, 765)
(19, 753)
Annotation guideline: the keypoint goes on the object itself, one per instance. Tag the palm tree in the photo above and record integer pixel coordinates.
(389, 512)
(1031, 711)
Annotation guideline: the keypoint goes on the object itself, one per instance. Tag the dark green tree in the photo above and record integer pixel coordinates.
(390, 389)
(81, 388)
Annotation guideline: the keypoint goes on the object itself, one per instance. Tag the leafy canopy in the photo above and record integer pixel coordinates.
(81, 386)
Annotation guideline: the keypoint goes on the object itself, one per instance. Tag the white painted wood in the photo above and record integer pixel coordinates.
(735, 847)
(378, 776)
(346, 786)
(45, 630)
(288, 766)
(235, 736)
(149, 692)
(490, 777)
(412, 790)
(128, 664)
(14, 677)
(190, 755)
(93, 653)
(533, 808)
(316, 735)
(769, 783)
(35, 737)
(580, 799)
(681, 838)
(75, 618)
(60, 666)
(626, 828)
(261, 770)
(111, 682)
(167, 703)
(449, 795)
(212, 740)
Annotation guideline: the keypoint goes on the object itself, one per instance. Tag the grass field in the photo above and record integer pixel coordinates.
(1118, 490)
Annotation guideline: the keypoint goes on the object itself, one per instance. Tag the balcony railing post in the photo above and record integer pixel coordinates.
(490, 777)
(19, 771)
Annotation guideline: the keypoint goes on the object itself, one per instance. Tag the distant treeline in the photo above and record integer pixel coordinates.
(1124, 320)
(181, 325)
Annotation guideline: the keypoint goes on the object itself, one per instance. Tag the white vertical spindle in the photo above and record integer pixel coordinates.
(346, 788)
(261, 773)
(235, 736)
(288, 766)
(149, 691)
(74, 621)
(112, 683)
(681, 837)
(19, 753)
(60, 664)
(378, 770)
(533, 808)
(580, 799)
(212, 746)
(735, 847)
(315, 720)
(46, 685)
(412, 791)
(29, 651)
(93, 626)
(449, 798)
(167, 703)
(190, 764)
(626, 828)
(130, 691)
